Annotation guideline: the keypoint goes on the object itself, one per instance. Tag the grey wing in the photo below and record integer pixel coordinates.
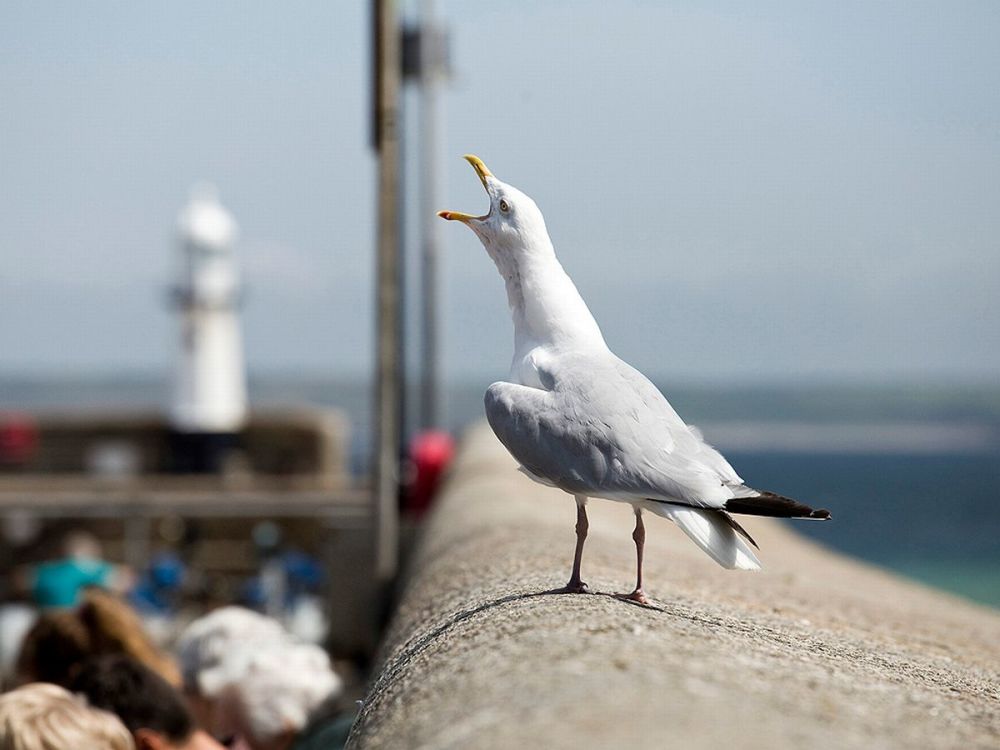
(529, 423)
(602, 432)
(688, 440)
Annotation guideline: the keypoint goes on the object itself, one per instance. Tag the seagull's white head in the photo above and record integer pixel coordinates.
(513, 225)
(544, 303)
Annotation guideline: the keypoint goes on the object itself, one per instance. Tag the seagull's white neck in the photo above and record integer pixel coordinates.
(545, 305)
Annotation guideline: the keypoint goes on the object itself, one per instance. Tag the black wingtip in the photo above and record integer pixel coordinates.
(771, 504)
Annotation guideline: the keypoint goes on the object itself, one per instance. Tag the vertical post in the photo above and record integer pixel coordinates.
(389, 367)
(432, 70)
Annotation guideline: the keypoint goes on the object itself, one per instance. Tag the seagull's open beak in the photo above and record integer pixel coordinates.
(483, 172)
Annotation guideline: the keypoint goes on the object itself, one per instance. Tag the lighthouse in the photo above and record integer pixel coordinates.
(209, 406)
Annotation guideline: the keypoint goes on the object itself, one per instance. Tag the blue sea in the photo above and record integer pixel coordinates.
(910, 472)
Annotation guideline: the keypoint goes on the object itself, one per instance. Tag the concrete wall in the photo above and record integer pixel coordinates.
(815, 651)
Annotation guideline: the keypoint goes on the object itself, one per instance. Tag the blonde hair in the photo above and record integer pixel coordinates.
(40, 716)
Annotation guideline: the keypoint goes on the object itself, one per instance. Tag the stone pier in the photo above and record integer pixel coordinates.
(816, 651)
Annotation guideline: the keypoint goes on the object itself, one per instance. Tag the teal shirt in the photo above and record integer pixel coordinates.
(58, 583)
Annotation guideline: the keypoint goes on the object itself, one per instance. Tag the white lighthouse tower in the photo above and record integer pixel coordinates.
(210, 398)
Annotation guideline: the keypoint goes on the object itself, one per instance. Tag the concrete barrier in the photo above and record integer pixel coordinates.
(818, 650)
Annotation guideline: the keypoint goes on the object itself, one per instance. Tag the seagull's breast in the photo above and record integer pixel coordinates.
(532, 367)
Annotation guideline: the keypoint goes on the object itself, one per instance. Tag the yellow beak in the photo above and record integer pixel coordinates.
(483, 171)
(477, 164)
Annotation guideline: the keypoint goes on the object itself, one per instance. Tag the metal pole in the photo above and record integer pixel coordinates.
(432, 71)
(389, 365)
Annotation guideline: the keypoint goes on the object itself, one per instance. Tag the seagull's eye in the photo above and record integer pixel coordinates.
(504, 206)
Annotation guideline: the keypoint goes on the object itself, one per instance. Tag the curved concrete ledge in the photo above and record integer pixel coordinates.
(816, 651)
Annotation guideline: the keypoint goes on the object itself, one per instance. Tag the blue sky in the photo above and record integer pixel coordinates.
(741, 191)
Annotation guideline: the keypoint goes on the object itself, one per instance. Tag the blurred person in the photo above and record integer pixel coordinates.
(58, 583)
(152, 709)
(116, 628)
(207, 651)
(305, 613)
(158, 593)
(53, 648)
(40, 716)
(286, 586)
(159, 587)
(61, 640)
(288, 698)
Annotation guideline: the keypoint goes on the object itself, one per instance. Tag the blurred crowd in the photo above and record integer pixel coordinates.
(86, 672)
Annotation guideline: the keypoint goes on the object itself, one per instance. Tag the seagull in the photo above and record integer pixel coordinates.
(576, 417)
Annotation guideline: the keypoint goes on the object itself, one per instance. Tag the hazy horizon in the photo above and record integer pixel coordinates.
(938, 381)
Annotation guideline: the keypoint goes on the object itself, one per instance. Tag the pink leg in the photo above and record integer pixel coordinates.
(575, 584)
(639, 537)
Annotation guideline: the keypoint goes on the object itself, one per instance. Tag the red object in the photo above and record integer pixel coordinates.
(430, 455)
(18, 438)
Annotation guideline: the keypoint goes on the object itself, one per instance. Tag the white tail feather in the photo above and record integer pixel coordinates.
(710, 531)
